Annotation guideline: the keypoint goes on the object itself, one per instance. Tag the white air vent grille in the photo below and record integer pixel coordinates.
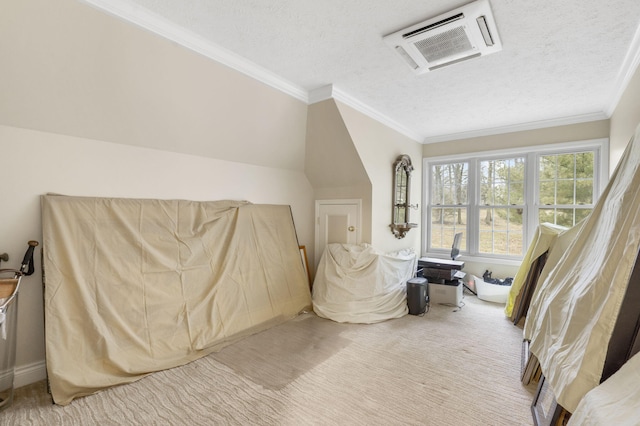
(464, 33)
(446, 44)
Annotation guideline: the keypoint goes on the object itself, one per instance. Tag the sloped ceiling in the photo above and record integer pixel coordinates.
(562, 61)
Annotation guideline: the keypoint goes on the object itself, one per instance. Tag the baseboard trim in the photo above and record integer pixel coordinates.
(30, 373)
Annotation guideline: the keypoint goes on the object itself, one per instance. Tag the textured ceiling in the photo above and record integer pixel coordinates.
(562, 61)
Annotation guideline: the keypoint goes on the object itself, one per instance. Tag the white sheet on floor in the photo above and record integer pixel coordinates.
(358, 284)
(136, 286)
(574, 320)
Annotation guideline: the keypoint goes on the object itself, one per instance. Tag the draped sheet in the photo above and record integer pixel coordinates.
(579, 301)
(615, 402)
(543, 240)
(135, 286)
(358, 284)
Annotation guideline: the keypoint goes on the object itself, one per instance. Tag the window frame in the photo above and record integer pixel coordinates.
(532, 154)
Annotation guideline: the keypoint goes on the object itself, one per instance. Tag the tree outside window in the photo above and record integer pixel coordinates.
(449, 204)
(502, 206)
(565, 187)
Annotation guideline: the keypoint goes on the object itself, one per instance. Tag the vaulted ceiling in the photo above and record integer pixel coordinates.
(562, 62)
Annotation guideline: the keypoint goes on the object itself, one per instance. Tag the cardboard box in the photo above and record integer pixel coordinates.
(447, 294)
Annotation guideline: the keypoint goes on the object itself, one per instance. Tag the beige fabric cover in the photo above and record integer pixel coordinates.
(543, 240)
(557, 250)
(615, 402)
(357, 284)
(573, 322)
(136, 286)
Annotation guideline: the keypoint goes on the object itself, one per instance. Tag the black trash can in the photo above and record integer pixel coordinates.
(417, 295)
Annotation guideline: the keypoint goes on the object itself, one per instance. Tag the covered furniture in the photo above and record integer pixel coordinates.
(584, 316)
(615, 402)
(358, 284)
(134, 286)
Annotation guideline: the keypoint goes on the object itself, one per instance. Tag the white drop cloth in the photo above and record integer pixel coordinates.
(358, 284)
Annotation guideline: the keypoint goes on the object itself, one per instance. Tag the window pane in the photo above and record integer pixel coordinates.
(486, 194)
(516, 244)
(584, 165)
(584, 191)
(486, 242)
(548, 167)
(502, 182)
(517, 170)
(547, 215)
(445, 223)
(566, 166)
(574, 173)
(500, 220)
(449, 184)
(565, 217)
(499, 243)
(564, 194)
(501, 231)
(436, 185)
(516, 193)
(500, 196)
(582, 213)
(547, 193)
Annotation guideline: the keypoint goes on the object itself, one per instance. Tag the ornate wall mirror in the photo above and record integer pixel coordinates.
(401, 205)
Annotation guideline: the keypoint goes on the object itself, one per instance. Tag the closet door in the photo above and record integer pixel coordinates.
(337, 221)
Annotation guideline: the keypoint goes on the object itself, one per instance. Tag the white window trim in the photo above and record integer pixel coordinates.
(601, 147)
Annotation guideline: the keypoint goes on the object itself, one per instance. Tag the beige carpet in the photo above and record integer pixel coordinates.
(449, 367)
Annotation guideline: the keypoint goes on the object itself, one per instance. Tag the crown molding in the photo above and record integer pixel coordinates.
(156, 24)
(627, 70)
(532, 125)
(321, 94)
(144, 18)
(331, 92)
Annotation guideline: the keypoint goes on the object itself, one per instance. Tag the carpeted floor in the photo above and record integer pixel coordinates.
(449, 367)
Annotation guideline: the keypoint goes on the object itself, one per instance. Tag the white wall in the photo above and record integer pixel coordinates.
(37, 162)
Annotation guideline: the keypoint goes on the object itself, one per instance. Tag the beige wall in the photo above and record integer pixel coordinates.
(349, 154)
(71, 69)
(378, 147)
(550, 135)
(93, 106)
(332, 163)
(625, 119)
(46, 162)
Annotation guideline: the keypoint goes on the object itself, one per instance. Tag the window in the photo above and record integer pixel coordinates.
(501, 206)
(449, 202)
(565, 187)
(497, 200)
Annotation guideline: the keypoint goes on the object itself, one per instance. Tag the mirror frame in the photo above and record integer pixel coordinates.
(402, 165)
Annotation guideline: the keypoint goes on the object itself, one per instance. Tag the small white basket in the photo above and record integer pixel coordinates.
(489, 292)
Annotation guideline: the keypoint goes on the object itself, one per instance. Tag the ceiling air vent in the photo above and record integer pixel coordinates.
(463, 33)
